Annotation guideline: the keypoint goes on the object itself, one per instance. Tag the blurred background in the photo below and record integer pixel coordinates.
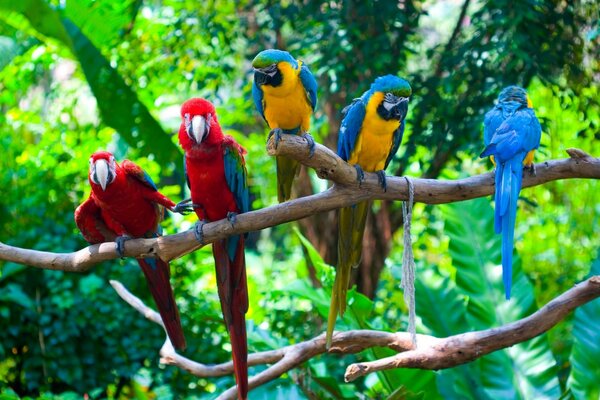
(77, 76)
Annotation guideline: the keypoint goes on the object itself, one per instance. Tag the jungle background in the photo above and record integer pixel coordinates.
(77, 76)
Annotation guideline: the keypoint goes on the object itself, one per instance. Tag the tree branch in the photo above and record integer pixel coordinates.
(431, 352)
(345, 192)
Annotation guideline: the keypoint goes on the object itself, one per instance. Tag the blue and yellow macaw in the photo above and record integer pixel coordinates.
(285, 94)
(511, 134)
(370, 135)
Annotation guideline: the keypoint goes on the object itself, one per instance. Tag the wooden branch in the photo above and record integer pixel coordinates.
(345, 192)
(431, 352)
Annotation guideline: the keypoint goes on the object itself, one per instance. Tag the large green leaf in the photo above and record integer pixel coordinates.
(584, 380)
(527, 370)
(119, 105)
(41, 17)
(358, 316)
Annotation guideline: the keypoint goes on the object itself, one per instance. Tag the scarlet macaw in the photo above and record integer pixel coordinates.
(125, 203)
(511, 134)
(217, 178)
(285, 94)
(370, 135)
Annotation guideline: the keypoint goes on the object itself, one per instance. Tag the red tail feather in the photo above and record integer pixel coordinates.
(157, 275)
(233, 292)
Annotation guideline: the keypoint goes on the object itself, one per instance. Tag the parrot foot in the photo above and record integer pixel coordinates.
(360, 174)
(277, 132)
(311, 144)
(120, 240)
(198, 233)
(531, 169)
(184, 208)
(232, 218)
(382, 179)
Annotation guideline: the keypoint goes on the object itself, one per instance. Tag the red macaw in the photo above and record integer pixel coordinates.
(125, 203)
(217, 178)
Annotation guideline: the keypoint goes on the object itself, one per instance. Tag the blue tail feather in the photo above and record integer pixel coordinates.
(497, 196)
(511, 185)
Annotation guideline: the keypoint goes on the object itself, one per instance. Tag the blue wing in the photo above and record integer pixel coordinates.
(310, 85)
(493, 119)
(135, 171)
(395, 144)
(257, 96)
(350, 127)
(236, 176)
(517, 135)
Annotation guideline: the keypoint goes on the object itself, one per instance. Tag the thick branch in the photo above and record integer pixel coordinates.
(431, 352)
(345, 192)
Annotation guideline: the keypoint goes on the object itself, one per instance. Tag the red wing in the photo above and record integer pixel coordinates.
(136, 172)
(89, 221)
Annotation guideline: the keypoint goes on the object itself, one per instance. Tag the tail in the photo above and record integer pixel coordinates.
(351, 227)
(157, 275)
(287, 169)
(230, 266)
(508, 186)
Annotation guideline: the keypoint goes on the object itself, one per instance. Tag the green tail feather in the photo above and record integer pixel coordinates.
(287, 169)
(351, 227)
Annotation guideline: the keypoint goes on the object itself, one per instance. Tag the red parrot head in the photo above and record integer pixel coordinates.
(103, 169)
(199, 123)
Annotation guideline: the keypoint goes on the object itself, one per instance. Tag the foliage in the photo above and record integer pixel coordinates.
(77, 76)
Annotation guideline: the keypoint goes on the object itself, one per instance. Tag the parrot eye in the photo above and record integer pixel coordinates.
(390, 98)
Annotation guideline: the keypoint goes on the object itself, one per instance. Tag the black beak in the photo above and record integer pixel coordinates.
(260, 77)
(400, 110)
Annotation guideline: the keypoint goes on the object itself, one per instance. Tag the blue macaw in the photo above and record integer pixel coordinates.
(285, 94)
(370, 135)
(511, 134)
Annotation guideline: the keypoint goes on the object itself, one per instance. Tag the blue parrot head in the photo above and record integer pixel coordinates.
(265, 66)
(396, 92)
(514, 93)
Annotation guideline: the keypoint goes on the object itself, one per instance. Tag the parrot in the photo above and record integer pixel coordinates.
(511, 135)
(216, 174)
(124, 203)
(285, 94)
(370, 135)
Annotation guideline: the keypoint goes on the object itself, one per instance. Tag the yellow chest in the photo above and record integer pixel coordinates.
(286, 106)
(375, 139)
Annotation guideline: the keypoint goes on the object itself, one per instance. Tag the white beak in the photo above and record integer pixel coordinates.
(101, 171)
(199, 128)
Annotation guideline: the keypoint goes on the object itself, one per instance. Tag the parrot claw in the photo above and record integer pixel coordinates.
(184, 208)
(531, 169)
(198, 231)
(232, 218)
(311, 144)
(382, 179)
(121, 244)
(360, 174)
(277, 132)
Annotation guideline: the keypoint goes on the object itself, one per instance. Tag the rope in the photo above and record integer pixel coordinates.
(408, 263)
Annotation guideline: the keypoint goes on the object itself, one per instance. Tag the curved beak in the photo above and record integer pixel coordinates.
(102, 173)
(199, 128)
(260, 77)
(400, 110)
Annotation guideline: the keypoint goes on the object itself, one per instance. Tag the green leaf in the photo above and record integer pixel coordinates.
(14, 294)
(43, 18)
(8, 50)
(526, 370)
(118, 104)
(585, 354)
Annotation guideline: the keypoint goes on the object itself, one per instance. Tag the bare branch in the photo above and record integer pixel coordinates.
(345, 192)
(430, 353)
